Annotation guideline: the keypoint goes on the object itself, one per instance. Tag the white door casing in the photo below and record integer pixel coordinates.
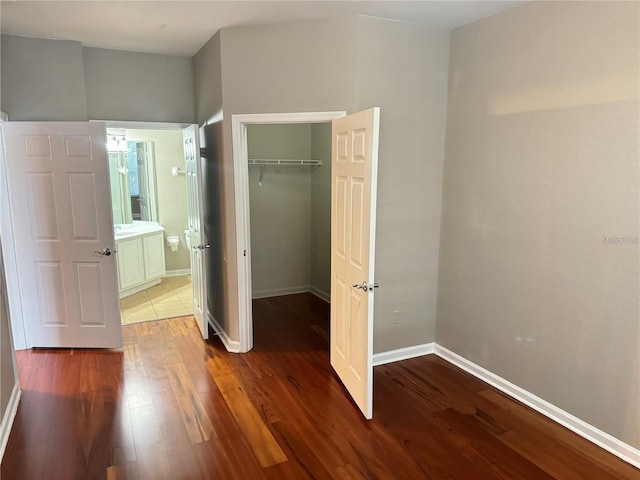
(143, 189)
(239, 125)
(353, 212)
(61, 220)
(195, 206)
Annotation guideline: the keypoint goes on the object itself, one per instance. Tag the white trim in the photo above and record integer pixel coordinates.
(177, 273)
(232, 346)
(139, 288)
(8, 417)
(602, 439)
(241, 193)
(278, 292)
(406, 353)
(133, 125)
(12, 279)
(321, 294)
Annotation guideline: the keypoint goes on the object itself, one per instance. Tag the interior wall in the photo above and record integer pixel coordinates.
(403, 69)
(539, 268)
(59, 80)
(218, 214)
(42, 80)
(290, 67)
(280, 210)
(171, 191)
(331, 65)
(138, 86)
(321, 211)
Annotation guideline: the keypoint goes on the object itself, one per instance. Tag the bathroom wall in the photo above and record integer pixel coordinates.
(171, 191)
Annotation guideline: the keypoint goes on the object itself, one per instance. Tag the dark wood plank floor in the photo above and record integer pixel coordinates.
(170, 406)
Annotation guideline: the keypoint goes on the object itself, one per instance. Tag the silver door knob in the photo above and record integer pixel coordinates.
(362, 286)
(105, 252)
(365, 287)
(202, 246)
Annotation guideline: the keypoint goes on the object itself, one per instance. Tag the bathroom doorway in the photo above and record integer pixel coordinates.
(149, 204)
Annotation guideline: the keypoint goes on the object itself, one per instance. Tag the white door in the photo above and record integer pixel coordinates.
(354, 164)
(61, 210)
(193, 166)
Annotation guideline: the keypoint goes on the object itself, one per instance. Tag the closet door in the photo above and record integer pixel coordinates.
(353, 224)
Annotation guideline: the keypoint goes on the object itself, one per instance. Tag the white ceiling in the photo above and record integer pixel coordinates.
(135, 25)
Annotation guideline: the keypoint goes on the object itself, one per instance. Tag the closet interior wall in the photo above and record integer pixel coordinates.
(290, 210)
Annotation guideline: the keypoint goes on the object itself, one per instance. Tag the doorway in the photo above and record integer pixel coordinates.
(240, 124)
(149, 205)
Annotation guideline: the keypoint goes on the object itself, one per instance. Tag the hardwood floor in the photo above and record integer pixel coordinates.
(170, 406)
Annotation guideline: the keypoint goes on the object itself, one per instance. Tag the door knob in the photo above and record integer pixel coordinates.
(202, 246)
(105, 252)
(362, 286)
(365, 287)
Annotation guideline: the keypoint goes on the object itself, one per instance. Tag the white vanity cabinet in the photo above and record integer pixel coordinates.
(130, 263)
(140, 262)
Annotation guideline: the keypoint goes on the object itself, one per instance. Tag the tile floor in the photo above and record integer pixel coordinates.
(171, 298)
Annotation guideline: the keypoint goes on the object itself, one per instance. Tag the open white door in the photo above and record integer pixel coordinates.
(61, 210)
(353, 223)
(193, 166)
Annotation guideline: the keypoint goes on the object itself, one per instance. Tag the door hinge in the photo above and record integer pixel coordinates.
(244, 253)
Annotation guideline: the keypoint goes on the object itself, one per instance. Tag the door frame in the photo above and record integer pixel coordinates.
(239, 125)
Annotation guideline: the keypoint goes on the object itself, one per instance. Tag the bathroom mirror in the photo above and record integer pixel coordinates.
(132, 178)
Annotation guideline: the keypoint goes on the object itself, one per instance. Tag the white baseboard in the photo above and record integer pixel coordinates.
(609, 443)
(402, 354)
(139, 288)
(280, 291)
(602, 439)
(232, 346)
(177, 273)
(322, 295)
(8, 417)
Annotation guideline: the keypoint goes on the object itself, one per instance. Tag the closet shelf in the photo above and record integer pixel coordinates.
(285, 163)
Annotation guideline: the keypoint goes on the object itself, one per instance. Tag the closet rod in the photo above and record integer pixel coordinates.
(285, 163)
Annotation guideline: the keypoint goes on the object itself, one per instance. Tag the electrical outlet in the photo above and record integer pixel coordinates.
(396, 317)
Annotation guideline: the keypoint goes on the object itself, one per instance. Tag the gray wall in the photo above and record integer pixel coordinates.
(280, 210)
(59, 80)
(541, 164)
(42, 79)
(208, 94)
(138, 86)
(321, 210)
(403, 69)
(304, 66)
(336, 65)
